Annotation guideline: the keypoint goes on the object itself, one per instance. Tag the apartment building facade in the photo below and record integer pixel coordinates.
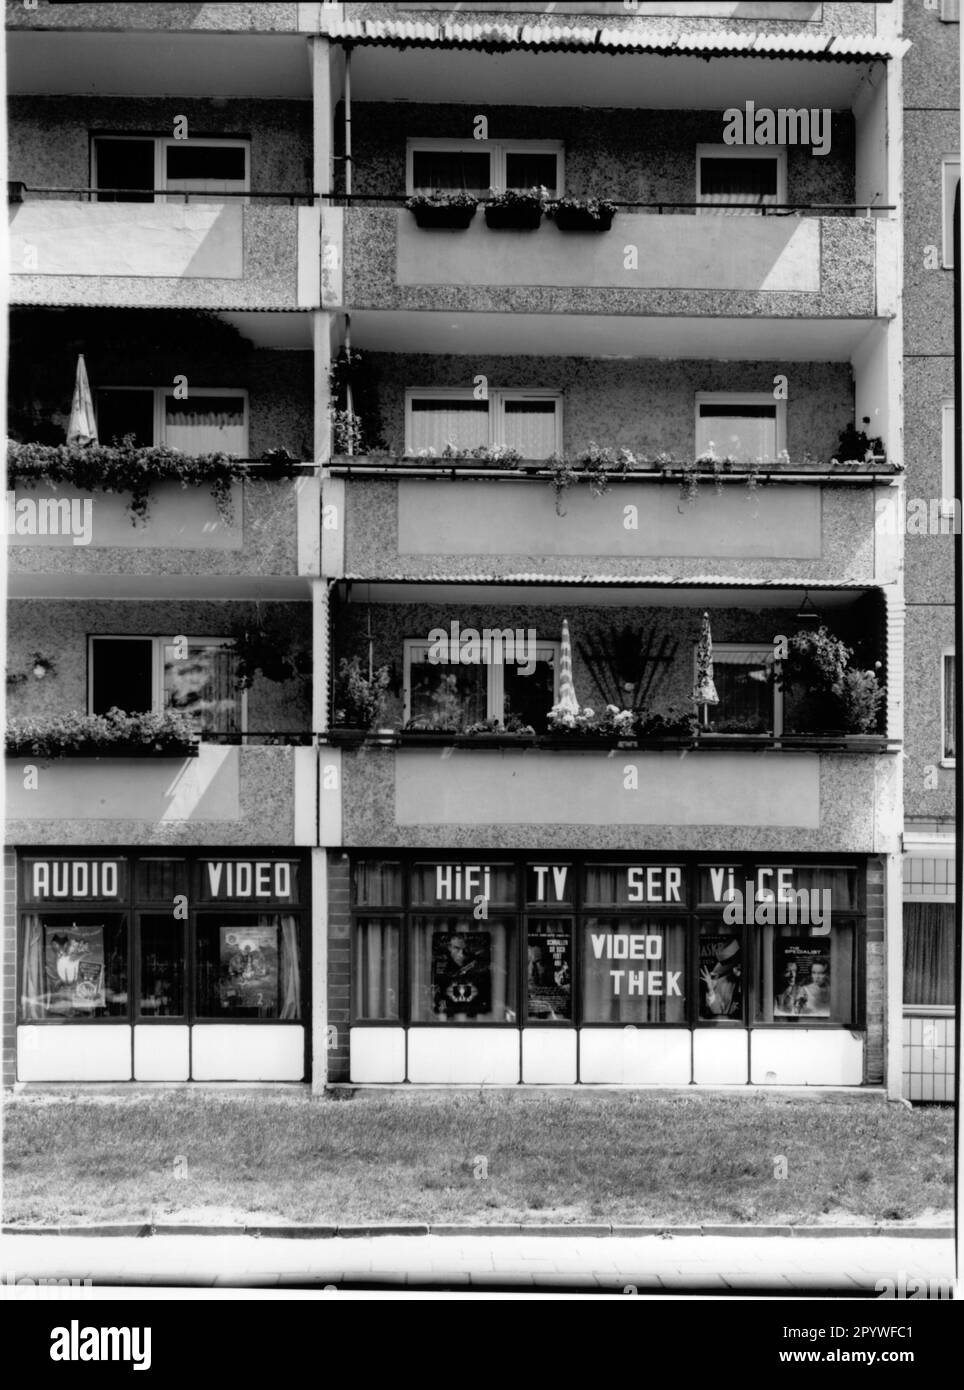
(439, 788)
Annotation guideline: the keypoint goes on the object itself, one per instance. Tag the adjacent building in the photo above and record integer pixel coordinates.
(424, 776)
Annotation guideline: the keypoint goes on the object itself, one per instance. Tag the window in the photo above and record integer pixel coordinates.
(196, 677)
(951, 11)
(948, 482)
(749, 428)
(929, 957)
(514, 675)
(648, 943)
(211, 420)
(475, 166)
(137, 165)
(948, 706)
(749, 701)
(950, 178)
(740, 174)
(112, 950)
(529, 421)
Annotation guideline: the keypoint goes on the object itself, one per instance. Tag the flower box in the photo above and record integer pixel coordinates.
(448, 216)
(516, 217)
(582, 220)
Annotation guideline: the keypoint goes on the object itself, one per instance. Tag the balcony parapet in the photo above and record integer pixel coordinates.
(794, 265)
(195, 253)
(710, 743)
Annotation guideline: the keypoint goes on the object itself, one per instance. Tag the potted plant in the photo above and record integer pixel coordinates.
(360, 699)
(453, 211)
(516, 210)
(581, 214)
(826, 694)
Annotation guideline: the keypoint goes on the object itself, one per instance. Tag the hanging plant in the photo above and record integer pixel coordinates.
(356, 422)
(360, 699)
(564, 476)
(126, 468)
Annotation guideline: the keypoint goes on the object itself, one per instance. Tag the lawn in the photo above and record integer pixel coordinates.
(472, 1157)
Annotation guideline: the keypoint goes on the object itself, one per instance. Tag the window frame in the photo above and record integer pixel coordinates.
(496, 150)
(132, 905)
(947, 653)
(496, 397)
(948, 163)
(578, 911)
(720, 652)
(160, 394)
(742, 398)
(495, 684)
(161, 144)
(948, 490)
(158, 645)
(721, 151)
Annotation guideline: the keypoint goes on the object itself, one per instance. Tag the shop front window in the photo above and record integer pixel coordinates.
(633, 970)
(806, 974)
(376, 969)
(929, 957)
(463, 970)
(161, 942)
(74, 966)
(549, 970)
(248, 966)
(123, 940)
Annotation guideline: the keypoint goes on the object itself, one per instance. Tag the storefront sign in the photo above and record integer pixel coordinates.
(635, 946)
(48, 879)
(235, 879)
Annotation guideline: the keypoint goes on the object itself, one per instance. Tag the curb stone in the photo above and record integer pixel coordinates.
(373, 1231)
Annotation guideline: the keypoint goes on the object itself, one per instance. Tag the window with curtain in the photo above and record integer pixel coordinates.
(202, 685)
(451, 171)
(73, 966)
(205, 425)
(378, 883)
(450, 696)
(530, 422)
(729, 175)
(745, 429)
(376, 969)
(929, 953)
(444, 696)
(634, 970)
(949, 694)
(463, 970)
(805, 974)
(248, 966)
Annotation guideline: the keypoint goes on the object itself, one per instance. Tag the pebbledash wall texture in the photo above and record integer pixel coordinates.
(59, 630)
(629, 156)
(646, 405)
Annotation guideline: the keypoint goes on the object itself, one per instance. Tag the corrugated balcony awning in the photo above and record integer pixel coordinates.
(556, 38)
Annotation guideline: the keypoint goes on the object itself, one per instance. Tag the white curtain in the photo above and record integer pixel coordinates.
(744, 438)
(375, 969)
(530, 427)
(600, 1001)
(207, 431)
(462, 423)
(32, 992)
(202, 685)
(290, 965)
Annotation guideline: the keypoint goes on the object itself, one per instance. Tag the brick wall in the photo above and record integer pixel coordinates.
(9, 1009)
(876, 975)
(339, 962)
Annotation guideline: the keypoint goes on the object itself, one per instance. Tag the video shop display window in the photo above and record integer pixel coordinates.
(579, 943)
(146, 953)
(74, 966)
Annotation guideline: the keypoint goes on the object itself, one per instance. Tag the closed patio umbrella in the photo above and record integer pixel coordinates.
(82, 427)
(567, 693)
(704, 692)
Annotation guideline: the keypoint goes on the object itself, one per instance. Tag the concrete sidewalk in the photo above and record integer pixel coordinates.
(840, 1265)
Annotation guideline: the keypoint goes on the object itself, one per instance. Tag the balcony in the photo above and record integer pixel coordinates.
(812, 266)
(797, 801)
(226, 795)
(424, 520)
(203, 255)
(259, 532)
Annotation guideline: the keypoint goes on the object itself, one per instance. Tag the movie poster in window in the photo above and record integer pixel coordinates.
(249, 968)
(721, 977)
(549, 973)
(74, 966)
(461, 974)
(801, 979)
